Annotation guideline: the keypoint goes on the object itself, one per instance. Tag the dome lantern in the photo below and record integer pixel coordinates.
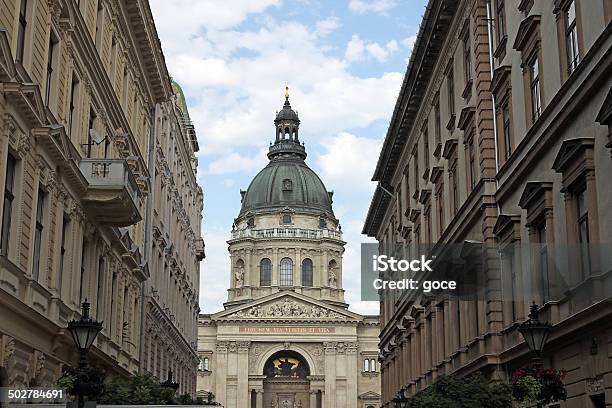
(287, 125)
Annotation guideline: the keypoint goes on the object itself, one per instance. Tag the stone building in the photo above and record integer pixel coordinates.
(501, 136)
(286, 337)
(90, 125)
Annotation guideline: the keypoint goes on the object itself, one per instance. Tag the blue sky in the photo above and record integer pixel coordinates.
(343, 60)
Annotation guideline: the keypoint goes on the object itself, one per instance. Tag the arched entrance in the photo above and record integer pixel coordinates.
(286, 384)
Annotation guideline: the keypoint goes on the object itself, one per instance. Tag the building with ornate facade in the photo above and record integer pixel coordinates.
(501, 136)
(286, 337)
(100, 200)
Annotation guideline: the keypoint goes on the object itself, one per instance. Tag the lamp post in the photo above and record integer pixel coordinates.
(169, 383)
(535, 333)
(400, 400)
(84, 331)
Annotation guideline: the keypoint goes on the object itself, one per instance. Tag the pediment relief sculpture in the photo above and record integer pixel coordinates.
(288, 308)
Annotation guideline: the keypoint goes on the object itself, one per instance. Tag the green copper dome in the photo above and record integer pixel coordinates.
(287, 181)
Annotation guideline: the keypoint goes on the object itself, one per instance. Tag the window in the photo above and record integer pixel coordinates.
(426, 147)
(501, 19)
(74, 90)
(307, 272)
(7, 209)
(440, 204)
(113, 67)
(467, 57)
(265, 272)
(50, 65)
(438, 134)
(366, 365)
(99, 25)
(286, 272)
(471, 157)
(100, 288)
(322, 223)
(40, 205)
(287, 185)
(452, 173)
(286, 219)
(251, 222)
(60, 272)
(90, 127)
(582, 218)
(450, 85)
(204, 364)
(534, 85)
(542, 251)
(373, 365)
(571, 37)
(506, 127)
(82, 271)
(21, 30)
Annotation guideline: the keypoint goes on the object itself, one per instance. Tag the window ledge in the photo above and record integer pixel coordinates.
(450, 126)
(500, 51)
(467, 91)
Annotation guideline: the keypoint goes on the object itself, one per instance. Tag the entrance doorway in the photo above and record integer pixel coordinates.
(286, 384)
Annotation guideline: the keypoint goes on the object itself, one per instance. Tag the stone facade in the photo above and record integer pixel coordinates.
(286, 336)
(505, 144)
(85, 98)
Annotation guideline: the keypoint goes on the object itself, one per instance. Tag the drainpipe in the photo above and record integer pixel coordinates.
(495, 135)
(491, 65)
(147, 235)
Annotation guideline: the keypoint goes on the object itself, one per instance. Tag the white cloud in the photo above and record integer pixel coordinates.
(354, 49)
(214, 271)
(409, 41)
(357, 49)
(374, 6)
(349, 162)
(325, 27)
(236, 163)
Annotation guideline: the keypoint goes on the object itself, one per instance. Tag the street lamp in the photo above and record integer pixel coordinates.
(169, 383)
(535, 332)
(400, 400)
(84, 331)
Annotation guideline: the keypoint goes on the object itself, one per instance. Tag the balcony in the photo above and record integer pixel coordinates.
(299, 233)
(112, 193)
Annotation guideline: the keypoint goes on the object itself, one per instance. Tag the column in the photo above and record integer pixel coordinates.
(275, 267)
(221, 365)
(330, 374)
(243, 374)
(313, 399)
(259, 399)
(351, 374)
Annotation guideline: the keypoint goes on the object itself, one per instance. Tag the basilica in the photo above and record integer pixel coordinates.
(286, 338)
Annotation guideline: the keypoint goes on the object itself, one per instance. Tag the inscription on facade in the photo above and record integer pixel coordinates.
(285, 330)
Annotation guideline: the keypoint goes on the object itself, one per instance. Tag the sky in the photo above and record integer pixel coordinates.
(343, 61)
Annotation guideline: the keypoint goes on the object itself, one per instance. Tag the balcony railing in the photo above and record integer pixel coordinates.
(112, 194)
(287, 233)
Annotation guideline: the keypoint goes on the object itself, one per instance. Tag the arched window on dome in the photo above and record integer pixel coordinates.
(265, 272)
(287, 133)
(307, 272)
(286, 272)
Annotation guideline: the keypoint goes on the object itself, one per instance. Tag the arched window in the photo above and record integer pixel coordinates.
(286, 219)
(366, 365)
(265, 272)
(306, 272)
(373, 365)
(286, 272)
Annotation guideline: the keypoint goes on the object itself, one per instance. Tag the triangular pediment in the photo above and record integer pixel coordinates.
(287, 306)
(369, 395)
